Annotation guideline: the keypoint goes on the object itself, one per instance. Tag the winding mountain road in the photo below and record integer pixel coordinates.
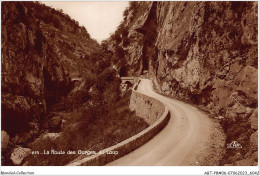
(190, 137)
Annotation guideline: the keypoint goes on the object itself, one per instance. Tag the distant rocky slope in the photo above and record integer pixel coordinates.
(201, 52)
(43, 50)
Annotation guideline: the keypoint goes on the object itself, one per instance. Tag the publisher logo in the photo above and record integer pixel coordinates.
(234, 144)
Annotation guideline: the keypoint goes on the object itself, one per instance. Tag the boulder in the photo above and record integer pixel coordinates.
(247, 79)
(4, 140)
(55, 122)
(239, 108)
(254, 119)
(19, 154)
(230, 114)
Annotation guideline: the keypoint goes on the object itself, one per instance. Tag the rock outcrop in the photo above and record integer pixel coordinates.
(201, 52)
(254, 120)
(42, 51)
(19, 154)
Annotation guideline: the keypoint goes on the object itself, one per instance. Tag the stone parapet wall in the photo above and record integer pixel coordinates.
(152, 111)
(146, 107)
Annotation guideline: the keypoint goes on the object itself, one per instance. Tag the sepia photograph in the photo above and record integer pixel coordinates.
(129, 83)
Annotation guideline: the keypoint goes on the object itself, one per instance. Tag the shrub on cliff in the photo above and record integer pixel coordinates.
(119, 53)
(133, 5)
(109, 86)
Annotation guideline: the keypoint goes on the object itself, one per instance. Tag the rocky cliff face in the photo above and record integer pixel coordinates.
(42, 51)
(201, 52)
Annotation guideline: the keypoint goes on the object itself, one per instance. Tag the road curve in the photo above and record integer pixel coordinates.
(184, 141)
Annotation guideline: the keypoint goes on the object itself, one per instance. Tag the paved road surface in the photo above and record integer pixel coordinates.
(184, 141)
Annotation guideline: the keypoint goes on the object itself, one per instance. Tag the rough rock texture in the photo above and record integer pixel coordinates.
(254, 119)
(254, 141)
(4, 140)
(41, 53)
(201, 52)
(55, 122)
(19, 154)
